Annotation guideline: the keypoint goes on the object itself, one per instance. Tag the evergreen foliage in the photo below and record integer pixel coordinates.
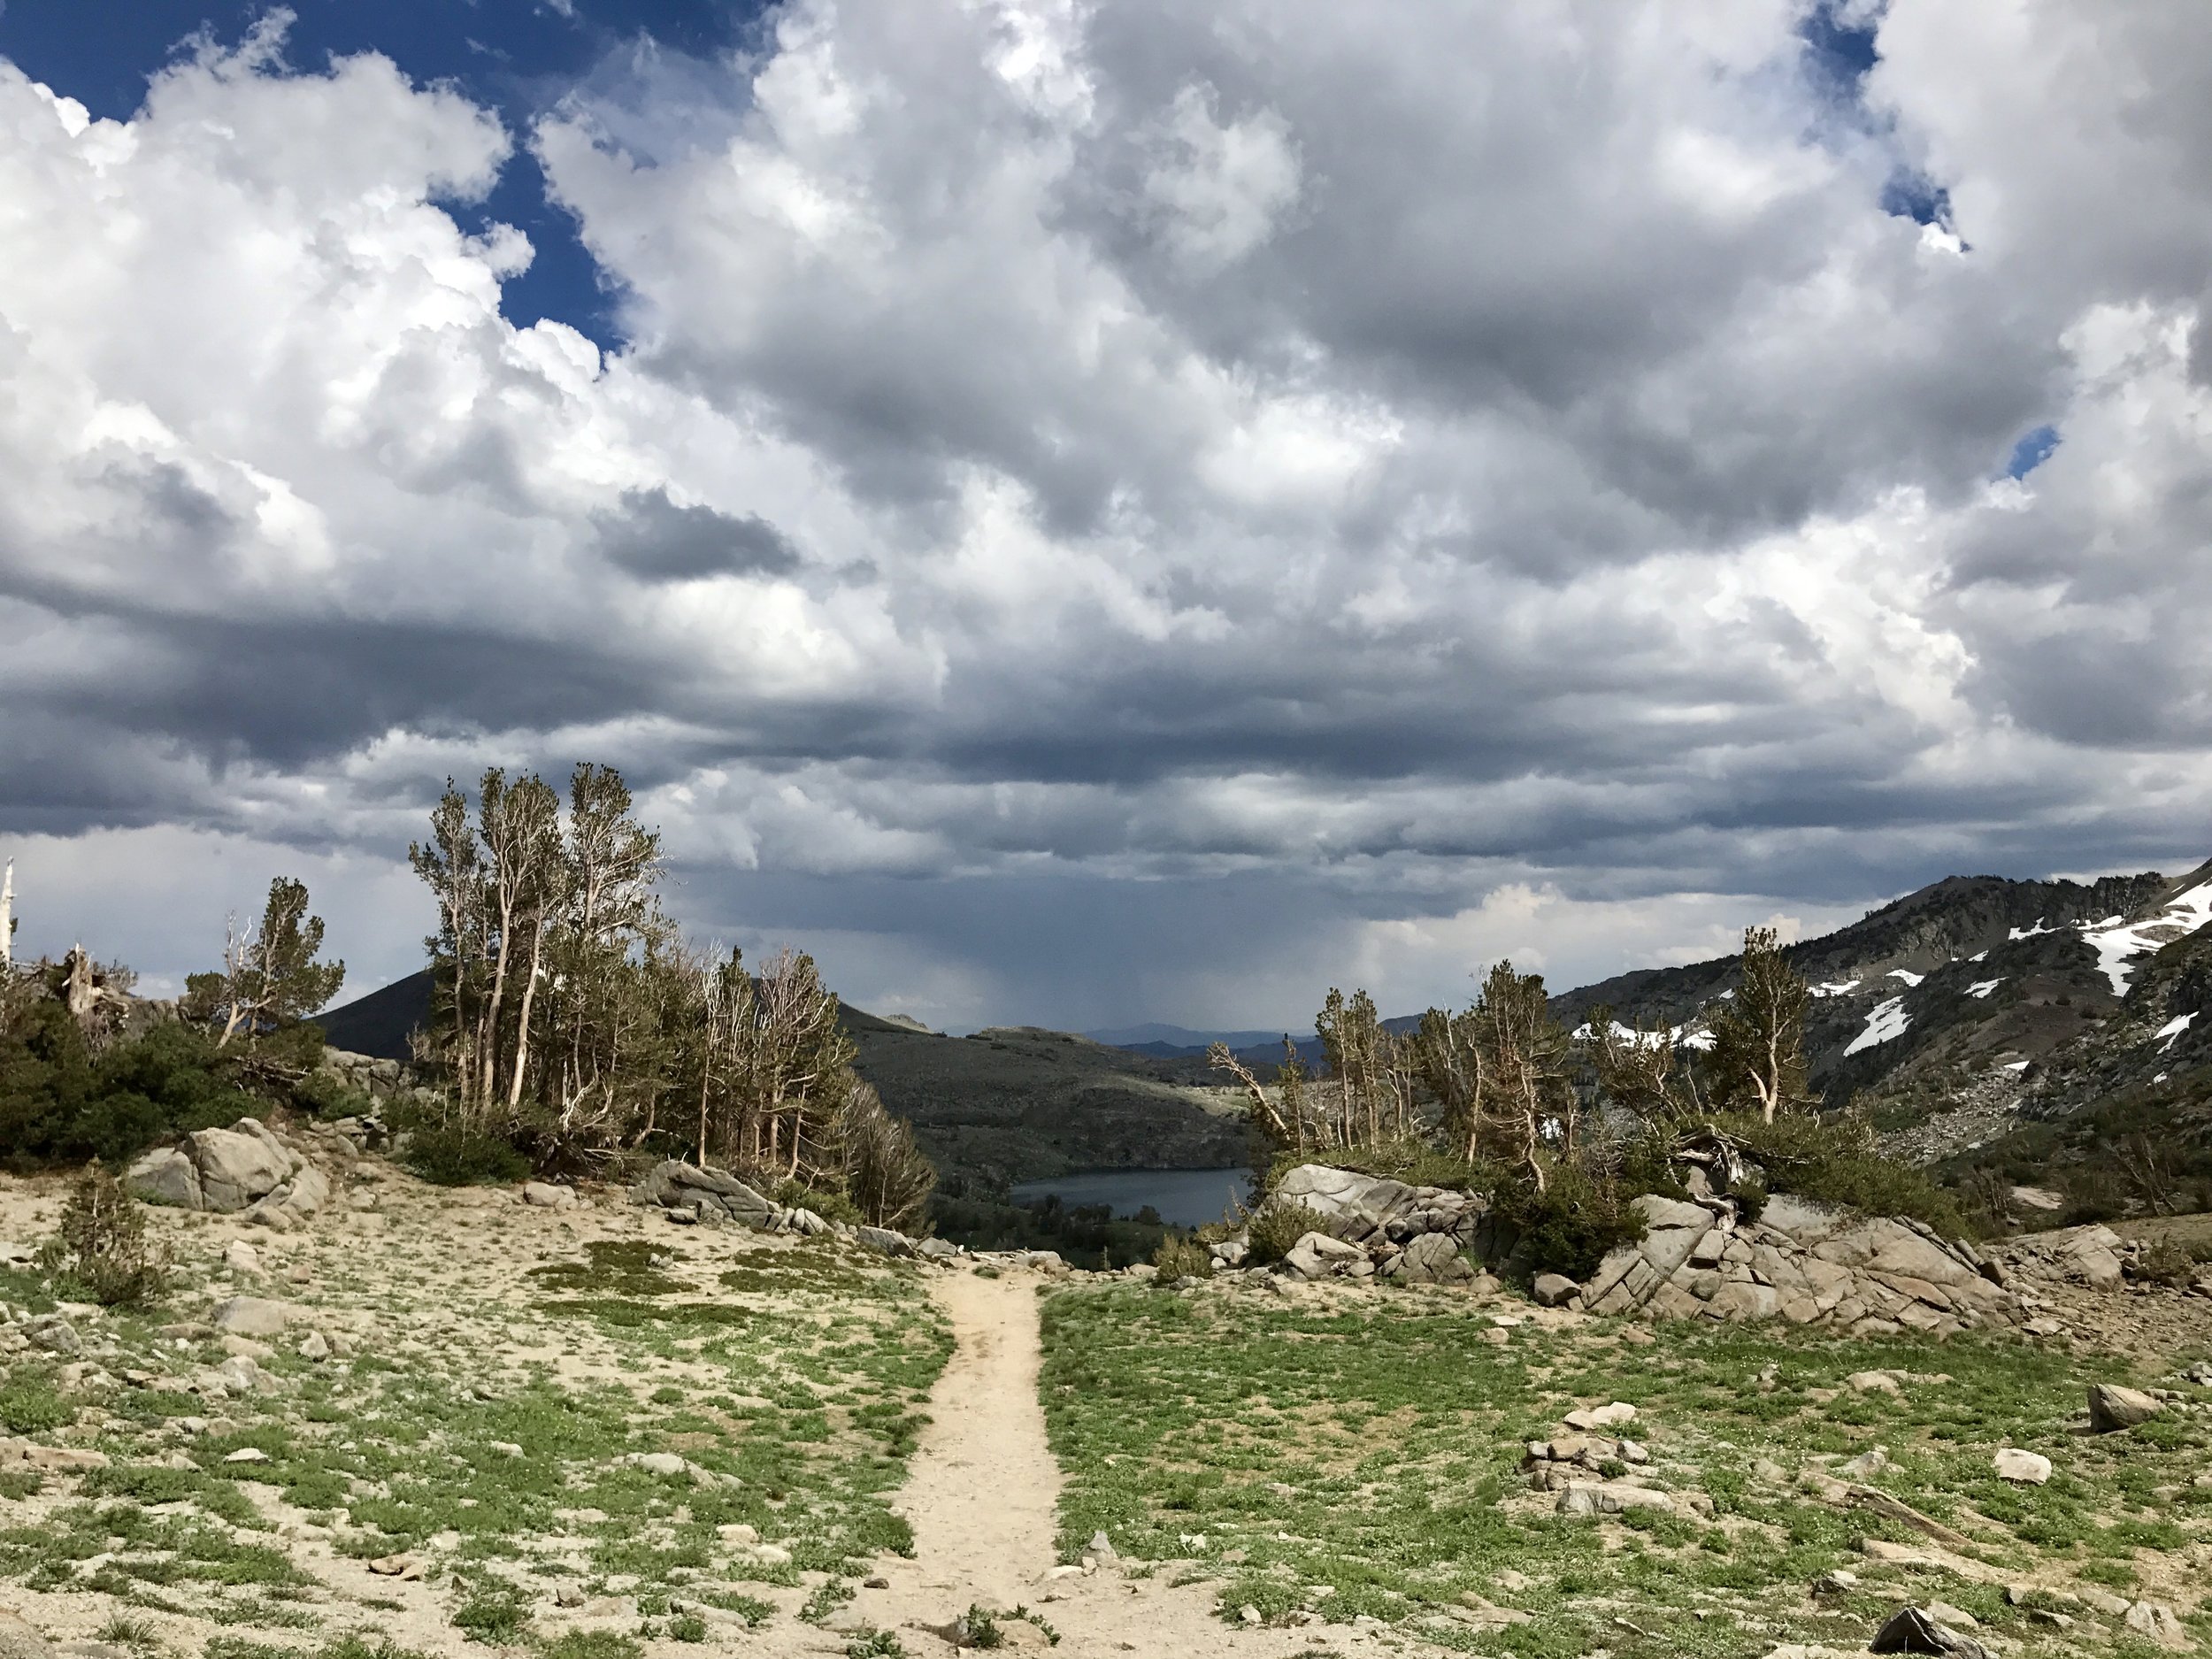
(102, 1241)
(270, 980)
(573, 1022)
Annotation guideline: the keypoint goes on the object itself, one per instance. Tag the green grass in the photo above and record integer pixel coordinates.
(1367, 1462)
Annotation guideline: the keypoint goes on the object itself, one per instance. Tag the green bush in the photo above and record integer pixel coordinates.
(28, 1405)
(1834, 1160)
(326, 1096)
(1182, 1256)
(1276, 1226)
(454, 1155)
(103, 1243)
(1571, 1224)
(59, 1103)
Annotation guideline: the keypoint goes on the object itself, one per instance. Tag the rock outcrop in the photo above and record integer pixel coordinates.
(708, 1196)
(1799, 1260)
(1805, 1262)
(1378, 1226)
(245, 1167)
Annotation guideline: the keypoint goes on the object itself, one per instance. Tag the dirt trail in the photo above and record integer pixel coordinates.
(982, 1497)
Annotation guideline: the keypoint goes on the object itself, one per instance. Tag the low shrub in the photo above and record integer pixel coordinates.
(326, 1096)
(454, 1155)
(1834, 1159)
(103, 1243)
(1182, 1256)
(2166, 1263)
(1276, 1226)
(1571, 1224)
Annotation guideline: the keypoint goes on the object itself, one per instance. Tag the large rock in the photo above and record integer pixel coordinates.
(1553, 1290)
(2025, 1468)
(1435, 1259)
(1916, 1630)
(883, 1238)
(1610, 1497)
(1359, 1207)
(707, 1193)
(165, 1175)
(1660, 1212)
(238, 1164)
(1317, 1255)
(2113, 1408)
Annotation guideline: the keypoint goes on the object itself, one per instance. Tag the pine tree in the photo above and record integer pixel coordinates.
(1757, 1061)
(271, 978)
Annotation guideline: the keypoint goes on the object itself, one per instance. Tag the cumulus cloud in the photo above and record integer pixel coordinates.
(1140, 512)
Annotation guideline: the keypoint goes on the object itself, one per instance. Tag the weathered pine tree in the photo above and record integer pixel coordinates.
(1757, 1061)
(269, 977)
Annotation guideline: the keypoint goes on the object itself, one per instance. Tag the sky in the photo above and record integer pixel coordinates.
(1085, 514)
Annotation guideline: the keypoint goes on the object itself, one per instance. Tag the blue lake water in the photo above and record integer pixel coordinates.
(1189, 1198)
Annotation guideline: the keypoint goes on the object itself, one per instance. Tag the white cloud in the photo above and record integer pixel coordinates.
(1476, 501)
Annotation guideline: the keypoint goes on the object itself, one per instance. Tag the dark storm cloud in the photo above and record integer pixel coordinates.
(649, 535)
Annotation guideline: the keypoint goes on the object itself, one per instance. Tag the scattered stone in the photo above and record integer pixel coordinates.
(247, 1454)
(404, 1567)
(55, 1335)
(252, 1316)
(1610, 1497)
(1600, 1417)
(937, 1249)
(1248, 1614)
(1868, 1464)
(1916, 1629)
(1510, 1582)
(1767, 1470)
(1553, 1289)
(1958, 1618)
(239, 1375)
(546, 1196)
(568, 1593)
(1838, 1581)
(2102, 1600)
(2027, 1468)
(1871, 1382)
(885, 1239)
(315, 1346)
(1101, 1549)
(2158, 1623)
(2112, 1407)
(242, 1258)
(657, 1462)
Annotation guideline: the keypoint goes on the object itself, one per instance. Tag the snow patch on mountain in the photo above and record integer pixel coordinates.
(2175, 1026)
(2015, 935)
(1907, 975)
(1982, 987)
(2116, 939)
(1835, 988)
(1888, 1020)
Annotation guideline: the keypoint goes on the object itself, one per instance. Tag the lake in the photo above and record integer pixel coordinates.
(1189, 1198)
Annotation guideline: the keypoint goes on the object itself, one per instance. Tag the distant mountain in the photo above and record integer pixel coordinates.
(379, 1023)
(1174, 1042)
(1967, 971)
